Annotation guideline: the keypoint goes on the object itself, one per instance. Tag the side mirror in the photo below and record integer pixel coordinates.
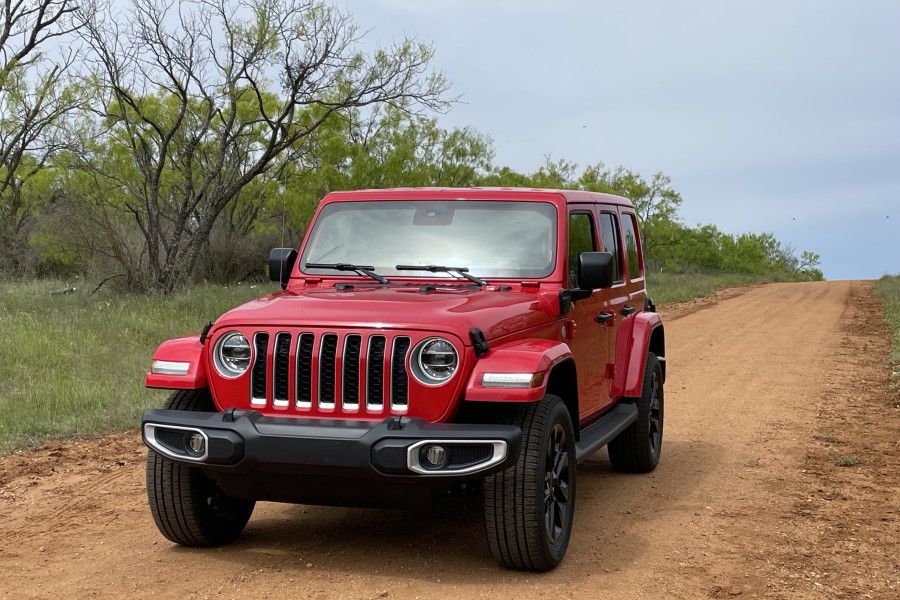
(595, 270)
(281, 263)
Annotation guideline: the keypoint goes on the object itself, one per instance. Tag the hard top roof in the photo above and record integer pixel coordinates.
(494, 193)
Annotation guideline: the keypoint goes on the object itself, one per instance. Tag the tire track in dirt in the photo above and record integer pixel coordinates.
(718, 518)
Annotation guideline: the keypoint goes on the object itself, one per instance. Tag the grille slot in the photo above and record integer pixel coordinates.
(375, 372)
(258, 372)
(281, 362)
(327, 367)
(304, 369)
(173, 439)
(350, 381)
(464, 455)
(399, 376)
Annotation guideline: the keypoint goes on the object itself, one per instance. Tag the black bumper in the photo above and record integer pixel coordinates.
(246, 442)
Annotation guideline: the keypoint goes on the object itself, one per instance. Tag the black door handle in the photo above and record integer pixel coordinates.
(627, 310)
(604, 318)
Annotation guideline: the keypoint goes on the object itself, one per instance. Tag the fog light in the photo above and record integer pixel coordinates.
(436, 455)
(196, 443)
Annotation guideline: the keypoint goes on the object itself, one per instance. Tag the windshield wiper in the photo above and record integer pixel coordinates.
(363, 269)
(464, 271)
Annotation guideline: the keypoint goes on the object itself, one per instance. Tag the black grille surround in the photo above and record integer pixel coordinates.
(304, 369)
(282, 361)
(327, 362)
(399, 375)
(259, 371)
(375, 372)
(350, 381)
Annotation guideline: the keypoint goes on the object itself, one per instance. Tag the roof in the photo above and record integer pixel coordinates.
(494, 193)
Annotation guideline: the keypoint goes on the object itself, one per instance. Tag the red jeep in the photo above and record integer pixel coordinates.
(425, 338)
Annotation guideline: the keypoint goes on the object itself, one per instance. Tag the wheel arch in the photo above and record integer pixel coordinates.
(187, 349)
(562, 381)
(657, 346)
(647, 335)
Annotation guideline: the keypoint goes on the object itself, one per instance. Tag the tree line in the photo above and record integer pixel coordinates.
(158, 142)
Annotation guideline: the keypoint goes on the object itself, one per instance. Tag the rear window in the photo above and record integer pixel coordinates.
(632, 256)
(609, 230)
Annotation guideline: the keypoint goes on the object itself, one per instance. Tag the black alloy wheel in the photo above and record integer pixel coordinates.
(557, 483)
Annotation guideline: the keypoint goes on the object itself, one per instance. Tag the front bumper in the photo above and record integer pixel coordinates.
(246, 442)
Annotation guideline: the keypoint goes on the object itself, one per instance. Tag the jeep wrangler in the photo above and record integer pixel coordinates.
(424, 340)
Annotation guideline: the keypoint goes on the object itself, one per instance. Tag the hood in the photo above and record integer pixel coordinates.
(455, 309)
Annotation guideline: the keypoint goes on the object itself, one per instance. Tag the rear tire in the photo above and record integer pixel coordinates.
(529, 507)
(188, 507)
(638, 448)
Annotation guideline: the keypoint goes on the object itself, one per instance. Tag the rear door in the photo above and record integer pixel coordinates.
(614, 299)
(633, 296)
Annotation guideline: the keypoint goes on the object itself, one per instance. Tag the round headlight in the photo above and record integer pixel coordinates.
(232, 355)
(434, 361)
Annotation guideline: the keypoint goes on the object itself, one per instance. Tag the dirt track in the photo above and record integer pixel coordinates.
(771, 389)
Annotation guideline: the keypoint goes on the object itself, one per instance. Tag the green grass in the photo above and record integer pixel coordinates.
(846, 461)
(74, 365)
(888, 288)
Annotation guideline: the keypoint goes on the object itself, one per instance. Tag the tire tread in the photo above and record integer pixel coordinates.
(171, 486)
(513, 520)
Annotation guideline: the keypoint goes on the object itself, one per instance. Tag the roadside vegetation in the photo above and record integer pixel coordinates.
(74, 363)
(666, 288)
(888, 289)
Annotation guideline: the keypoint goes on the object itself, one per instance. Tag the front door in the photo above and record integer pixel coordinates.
(592, 341)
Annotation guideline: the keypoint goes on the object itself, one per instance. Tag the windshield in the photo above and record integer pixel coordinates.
(492, 239)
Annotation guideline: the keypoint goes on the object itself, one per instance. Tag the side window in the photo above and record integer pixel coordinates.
(632, 256)
(581, 239)
(609, 230)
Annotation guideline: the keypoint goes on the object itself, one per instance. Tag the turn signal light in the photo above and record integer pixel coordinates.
(512, 380)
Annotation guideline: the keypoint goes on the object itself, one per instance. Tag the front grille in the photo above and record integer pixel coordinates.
(334, 372)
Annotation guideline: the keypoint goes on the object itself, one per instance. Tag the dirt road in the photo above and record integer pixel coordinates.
(778, 479)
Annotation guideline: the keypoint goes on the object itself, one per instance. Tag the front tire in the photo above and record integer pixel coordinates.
(529, 507)
(188, 507)
(638, 448)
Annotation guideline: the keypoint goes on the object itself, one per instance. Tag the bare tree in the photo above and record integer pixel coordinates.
(209, 95)
(34, 99)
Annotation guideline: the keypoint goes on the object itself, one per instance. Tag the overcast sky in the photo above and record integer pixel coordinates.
(769, 116)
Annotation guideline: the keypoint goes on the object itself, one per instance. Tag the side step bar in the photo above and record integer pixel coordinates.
(598, 434)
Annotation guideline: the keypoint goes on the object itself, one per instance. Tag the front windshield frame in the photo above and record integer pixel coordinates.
(545, 272)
